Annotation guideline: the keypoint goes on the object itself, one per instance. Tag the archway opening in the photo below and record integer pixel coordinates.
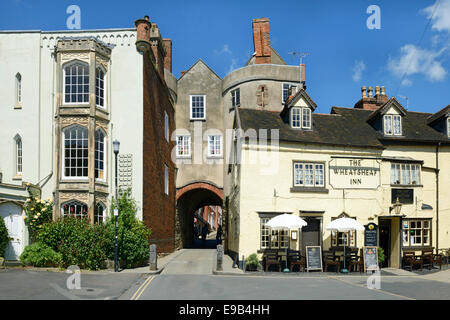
(199, 208)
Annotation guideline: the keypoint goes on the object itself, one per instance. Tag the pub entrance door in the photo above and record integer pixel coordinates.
(385, 240)
(311, 233)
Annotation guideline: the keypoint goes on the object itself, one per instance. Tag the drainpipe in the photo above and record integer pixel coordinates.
(437, 196)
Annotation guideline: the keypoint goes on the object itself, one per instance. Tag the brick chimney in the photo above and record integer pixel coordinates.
(368, 101)
(261, 40)
(143, 27)
(168, 57)
(159, 51)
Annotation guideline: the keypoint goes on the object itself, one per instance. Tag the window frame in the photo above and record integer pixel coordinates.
(398, 169)
(18, 156)
(77, 203)
(236, 98)
(177, 145)
(166, 126)
(104, 151)
(389, 120)
(309, 118)
(448, 126)
(289, 84)
(282, 236)
(166, 179)
(63, 151)
(18, 90)
(215, 136)
(407, 232)
(337, 238)
(299, 110)
(312, 172)
(96, 215)
(191, 106)
(101, 68)
(70, 64)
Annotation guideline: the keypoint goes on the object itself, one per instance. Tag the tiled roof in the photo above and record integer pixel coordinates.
(343, 127)
(439, 114)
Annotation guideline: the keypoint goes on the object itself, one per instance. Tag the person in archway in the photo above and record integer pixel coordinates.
(204, 232)
(219, 234)
(195, 232)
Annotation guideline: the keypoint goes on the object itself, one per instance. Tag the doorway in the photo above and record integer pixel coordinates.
(311, 232)
(385, 240)
(12, 216)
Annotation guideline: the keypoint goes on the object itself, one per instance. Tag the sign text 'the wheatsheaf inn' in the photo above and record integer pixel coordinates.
(354, 173)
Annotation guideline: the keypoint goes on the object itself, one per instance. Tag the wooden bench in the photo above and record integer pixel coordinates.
(410, 259)
(357, 261)
(429, 258)
(329, 259)
(296, 259)
(270, 258)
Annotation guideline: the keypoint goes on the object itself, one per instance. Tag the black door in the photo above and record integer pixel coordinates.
(311, 233)
(385, 242)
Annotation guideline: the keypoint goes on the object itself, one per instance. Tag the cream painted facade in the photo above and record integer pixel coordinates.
(263, 186)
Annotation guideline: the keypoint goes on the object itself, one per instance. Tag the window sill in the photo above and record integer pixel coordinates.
(215, 157)
(18, 177)
(204, 119)
(407, 185)
(18, 106)
(310, 189)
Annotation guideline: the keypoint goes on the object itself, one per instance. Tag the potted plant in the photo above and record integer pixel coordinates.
(252, 262)
(381, 255)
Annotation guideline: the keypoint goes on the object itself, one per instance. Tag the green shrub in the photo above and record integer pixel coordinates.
(78, 242)
(133, 235)
(381, 255)
(4, 237)
(37, 211)
(40, 255)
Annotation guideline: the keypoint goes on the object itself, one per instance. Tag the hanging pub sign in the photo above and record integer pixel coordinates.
(371, 235)
(354, 173)
(313, 258)
(370, 255)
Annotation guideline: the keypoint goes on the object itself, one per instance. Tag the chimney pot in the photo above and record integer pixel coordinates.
(146, 18)
(364, 92)
(377, 90)
(370, 92)
(383, 91)
(261, 40)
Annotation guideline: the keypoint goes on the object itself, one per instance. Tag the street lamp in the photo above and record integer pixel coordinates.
(116, 146)
(397, 207)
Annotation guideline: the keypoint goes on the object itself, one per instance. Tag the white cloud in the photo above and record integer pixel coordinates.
(225, 49)
(358, 69)
(441, 18)
(415, 60)
(233, 66)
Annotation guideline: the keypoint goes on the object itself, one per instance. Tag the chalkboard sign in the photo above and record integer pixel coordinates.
(371, 235)
(370, 258)
(313, 258)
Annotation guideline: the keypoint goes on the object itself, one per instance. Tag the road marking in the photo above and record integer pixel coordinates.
(141, 289)
(378, 290)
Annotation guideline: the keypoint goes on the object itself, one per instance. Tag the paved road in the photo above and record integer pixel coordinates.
(189, 277)
(16, 283)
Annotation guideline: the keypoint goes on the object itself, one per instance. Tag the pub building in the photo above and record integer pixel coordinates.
(383, 165)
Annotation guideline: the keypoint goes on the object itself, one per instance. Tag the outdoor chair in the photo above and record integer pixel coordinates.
(410, 259)
(429, 258)
(357, 262)
(330, 260)
(296, 259)
(270, 258)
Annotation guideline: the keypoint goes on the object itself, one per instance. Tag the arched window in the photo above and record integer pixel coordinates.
(100, 87)
(99, 213)
(75, 209)
(18, 89)
(76, 82)
(75, 152)
(99, 154)
(18, 155)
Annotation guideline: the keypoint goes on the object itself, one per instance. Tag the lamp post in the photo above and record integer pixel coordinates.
(116, 146)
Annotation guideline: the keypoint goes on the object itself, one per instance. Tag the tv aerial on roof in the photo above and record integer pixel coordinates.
(301, 55)
(406, 98)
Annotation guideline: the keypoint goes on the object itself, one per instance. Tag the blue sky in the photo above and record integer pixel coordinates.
(345, 53)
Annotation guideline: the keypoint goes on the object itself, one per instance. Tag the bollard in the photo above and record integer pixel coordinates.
(153, 259)
(219, 257)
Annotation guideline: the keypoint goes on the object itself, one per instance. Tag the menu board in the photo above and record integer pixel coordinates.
(371, 235)
(370, 258)
(313, 258)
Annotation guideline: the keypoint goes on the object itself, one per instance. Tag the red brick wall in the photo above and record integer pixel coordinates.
(158, 208)
(168, 57)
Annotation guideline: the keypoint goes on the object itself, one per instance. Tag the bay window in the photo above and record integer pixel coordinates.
(76, 83)
(75, 152)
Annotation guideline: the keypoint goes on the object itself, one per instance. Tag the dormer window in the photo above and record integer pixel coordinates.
(301, 118)
(392, 125)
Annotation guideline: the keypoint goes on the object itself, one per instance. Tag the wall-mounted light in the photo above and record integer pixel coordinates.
(397, 207)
